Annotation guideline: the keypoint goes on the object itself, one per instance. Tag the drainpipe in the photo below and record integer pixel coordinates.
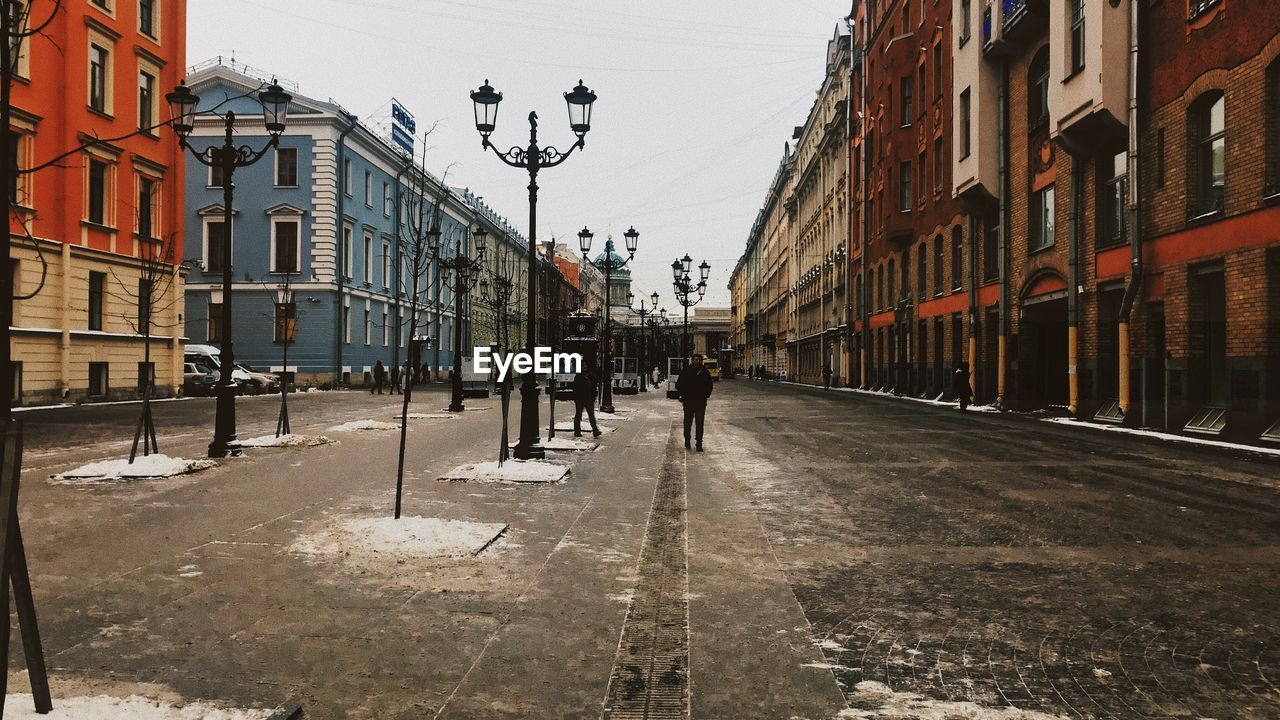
(865, 226)
(341, 251)
(1073, 284)
(1135, 220)
(1002, 234)
(973, 306)
(848, 225)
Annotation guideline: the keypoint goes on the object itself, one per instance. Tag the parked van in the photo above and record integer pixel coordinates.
(211, 357)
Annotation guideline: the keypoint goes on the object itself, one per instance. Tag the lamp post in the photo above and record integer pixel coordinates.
(462, 272)
(532, 158)
(643, 313)
(608, 263)
(686, 292)
(227, 158)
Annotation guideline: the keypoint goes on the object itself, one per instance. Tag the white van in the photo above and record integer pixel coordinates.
(210, 356)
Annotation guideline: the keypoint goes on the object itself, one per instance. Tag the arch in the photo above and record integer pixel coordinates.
(1042, 283)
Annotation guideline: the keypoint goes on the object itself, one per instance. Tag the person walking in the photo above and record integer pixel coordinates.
(694, 388)
(960, 385)
(379, 377)
(584, 395)
(395, 380)
(826, 375)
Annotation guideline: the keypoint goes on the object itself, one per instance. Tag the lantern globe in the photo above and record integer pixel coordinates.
(580, 101)
(632, 237)
(485, 103)
(182, 110)
(584, 239)
(275, 108)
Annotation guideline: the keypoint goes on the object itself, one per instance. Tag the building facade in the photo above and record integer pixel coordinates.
(96, 229)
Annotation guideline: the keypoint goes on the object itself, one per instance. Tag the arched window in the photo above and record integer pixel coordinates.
(1038, 90)
(879, 288)
(1273, 128)
(957, 258)
(1207, 124)
(937, 265)
(888, 285)
(922, 264)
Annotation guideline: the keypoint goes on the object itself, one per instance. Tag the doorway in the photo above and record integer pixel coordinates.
(1042, 359)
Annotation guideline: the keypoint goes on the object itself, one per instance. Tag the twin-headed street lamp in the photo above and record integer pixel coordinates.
(532, 158)
(643, 313)
(227, 158)
(462, 272)
(685, 294)
(608, 264)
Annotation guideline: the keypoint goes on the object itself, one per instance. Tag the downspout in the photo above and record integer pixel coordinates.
(340, 250)
(865, 226)
(1073, 285)
(973, 305)
(1002, 235)
(1135, 220)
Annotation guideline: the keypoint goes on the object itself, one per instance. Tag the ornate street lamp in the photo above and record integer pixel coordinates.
(227, 158)
(686, 292)
(532, 158)
(608, 263)
(465, 274)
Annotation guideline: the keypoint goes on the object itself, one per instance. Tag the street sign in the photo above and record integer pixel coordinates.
(403, 126)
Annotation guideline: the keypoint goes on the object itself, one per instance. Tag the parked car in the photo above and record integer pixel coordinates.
(197, 379)
(259, 382)
(210, 356)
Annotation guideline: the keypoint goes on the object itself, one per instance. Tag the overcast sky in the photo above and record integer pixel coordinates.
(696, 98)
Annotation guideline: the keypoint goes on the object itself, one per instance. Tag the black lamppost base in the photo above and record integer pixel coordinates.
(225, 443)
(529, 446)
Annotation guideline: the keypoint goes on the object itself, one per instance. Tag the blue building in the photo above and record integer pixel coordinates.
(322, 241)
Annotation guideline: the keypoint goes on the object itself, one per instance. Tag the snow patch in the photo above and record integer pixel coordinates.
(467, 409)
(19, 706)
(143, 466)
(360, 425)
(833, 646)
(1167, 437)
(876, 700)
(290, 440)
(428, 416)
(567, 443)
(586, 428)
(512, 471)
(389, 539)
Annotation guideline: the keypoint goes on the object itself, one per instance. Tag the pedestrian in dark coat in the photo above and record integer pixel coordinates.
(960, 385)
(694, 387)
(584, 395)
(826, 375)
(395, 380)
(379, 377)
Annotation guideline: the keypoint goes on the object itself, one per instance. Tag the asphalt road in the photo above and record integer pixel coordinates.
(831, 555)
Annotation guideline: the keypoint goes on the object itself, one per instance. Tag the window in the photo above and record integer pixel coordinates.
(922, 181)
(146, 207)
(368, 259)
(147, 17)
(386, 200)
(964, 124)
(99, 383)
(97, 210)
(890, 296)
(386, 328)
(286, 322)
(368, 189)
(1041, 218)
(906, 17)
(144, 305)
(1111, 196)
(347, 251)
(1038, 91)
(215, 238)
(957, 258)
(937, 265)
(146, 376)
(938, 168)
(922, 271)
(18, 189)
(346, 177)
(1208, 123)
(286, 167)
(215, 176)
(97, 290)
(907, 98)
(966, 23)
(346, 324)
(16, 398)
(990, 248)
(146, 101)
(906, 272)
(1273, 128)
(284, 246)
(1196, 8)
(1077, 36)
(879, 288)
(99, 76)
(386, 263)
(937, 68)
(368, 326)
(904, 188)
(102, 4)
(214, 320)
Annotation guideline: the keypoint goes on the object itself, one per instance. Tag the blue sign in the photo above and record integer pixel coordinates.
(403, 126)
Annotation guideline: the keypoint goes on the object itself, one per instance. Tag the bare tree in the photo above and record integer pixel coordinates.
(498, 295)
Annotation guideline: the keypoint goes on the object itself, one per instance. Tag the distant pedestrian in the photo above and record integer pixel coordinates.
(960, 385)
(584, 394)
(694, 387)
(657, 375)
(751, 372)
(395, 380)
(424, 373)
(379, 377)
(826, 375)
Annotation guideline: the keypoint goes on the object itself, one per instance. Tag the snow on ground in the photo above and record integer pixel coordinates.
(19, 706)
(936, 402)
(143, 466)
(386, 539)
(600, 415)
(512, 471)
(290, 440)
(586, 427)
(428, 416)
(358, 425)
(568, 443)
(469, 408)
(876, 700)
(1167, 437)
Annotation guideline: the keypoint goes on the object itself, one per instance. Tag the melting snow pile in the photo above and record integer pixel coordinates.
(1167, 437)
(358, 425)
(473, 407)
(876, 700)
(291, 440)
(370, 539)
(613, 416)
(427, 416)
(134, 707)
(586, 427)
(143, 466)
(567, 443)
(512, 471)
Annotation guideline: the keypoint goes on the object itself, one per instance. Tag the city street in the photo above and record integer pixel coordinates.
(831, 555)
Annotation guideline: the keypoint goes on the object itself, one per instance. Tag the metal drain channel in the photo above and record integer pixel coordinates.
(650, 679)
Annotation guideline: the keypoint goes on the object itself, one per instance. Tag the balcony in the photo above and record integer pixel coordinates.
(1023, 20)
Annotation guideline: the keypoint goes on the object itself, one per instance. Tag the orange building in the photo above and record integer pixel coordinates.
(84, 225)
